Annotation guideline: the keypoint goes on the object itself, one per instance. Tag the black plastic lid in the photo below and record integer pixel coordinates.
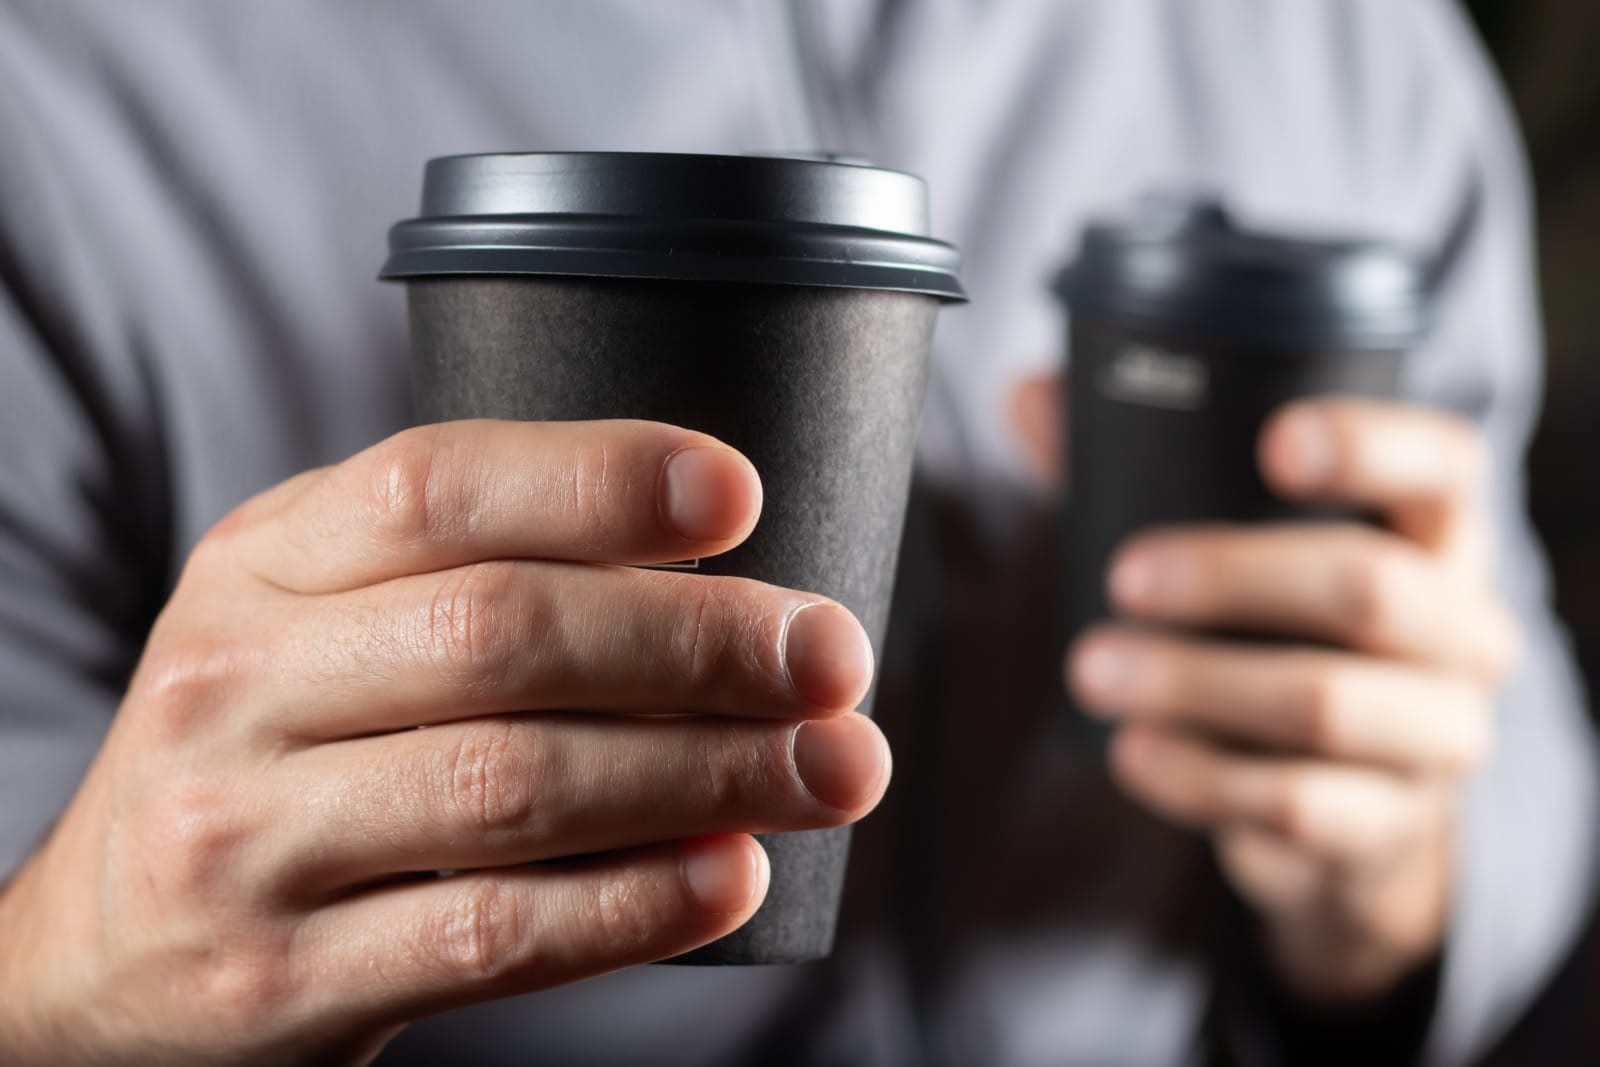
(765, 219)
(1185, 272)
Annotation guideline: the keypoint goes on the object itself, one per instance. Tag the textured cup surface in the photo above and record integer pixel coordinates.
(821, 388)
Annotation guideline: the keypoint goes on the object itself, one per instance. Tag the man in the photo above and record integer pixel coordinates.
(204, 405)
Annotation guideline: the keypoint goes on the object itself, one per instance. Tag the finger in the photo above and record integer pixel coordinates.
(440, 496)
(1341, 812)
(492, 792)
(1270, 870)
(405, 951)
(531, 636)
(1424, 471)
(1300, 701)
(1036, 416)
(1353, 585)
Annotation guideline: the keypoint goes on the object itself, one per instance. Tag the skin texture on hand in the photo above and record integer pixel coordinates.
(433, 657)
(1325, 762)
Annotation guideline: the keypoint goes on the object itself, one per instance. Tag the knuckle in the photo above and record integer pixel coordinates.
(1296, 815)
(401, 482)
(192, 841)
(483, 936)
(1376, 582)
(218, 551)
(736, 777)
(182, 685)
(701, 642)
(1323, 709)
(589, 479)
(1199, 798)
(213, 554)
(248, 985)
(491, 777)
(626, 914)
(1166, 685)
(469, 619)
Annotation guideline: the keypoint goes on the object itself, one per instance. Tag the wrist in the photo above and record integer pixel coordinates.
(1368, 934)
(26, 1032)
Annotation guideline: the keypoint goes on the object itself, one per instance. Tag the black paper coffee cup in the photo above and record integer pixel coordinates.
(1186, 333)
(783, 305)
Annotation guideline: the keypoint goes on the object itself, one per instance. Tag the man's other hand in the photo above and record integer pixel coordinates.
(1325, 761)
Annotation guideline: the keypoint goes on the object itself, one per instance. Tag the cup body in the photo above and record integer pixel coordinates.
(784, 305)
(1187, 331)
(821, 388)
(1159, 433)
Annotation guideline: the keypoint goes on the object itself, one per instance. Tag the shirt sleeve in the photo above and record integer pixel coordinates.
(81, 571)
(1526, 852)
(1254, 1022)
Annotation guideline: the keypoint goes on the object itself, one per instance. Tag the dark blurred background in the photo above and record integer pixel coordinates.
(1548, 52)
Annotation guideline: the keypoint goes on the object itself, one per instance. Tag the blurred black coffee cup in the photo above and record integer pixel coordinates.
(1186, 332)
(783, 305)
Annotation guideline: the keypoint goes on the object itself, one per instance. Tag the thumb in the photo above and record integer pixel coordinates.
(1035, 415)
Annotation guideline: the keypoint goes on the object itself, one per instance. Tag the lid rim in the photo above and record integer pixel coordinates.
(813, 159)
(532, 262)
(675, 216)
(1199, 278)
(675, 185)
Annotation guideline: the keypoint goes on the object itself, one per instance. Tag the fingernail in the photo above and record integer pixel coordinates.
(722, 873)
(827, 656)
(1307, 447)
(840, 761)
(700, 493)
(1102, 670)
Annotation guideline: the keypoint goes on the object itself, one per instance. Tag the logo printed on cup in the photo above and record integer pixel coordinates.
(1145, 375)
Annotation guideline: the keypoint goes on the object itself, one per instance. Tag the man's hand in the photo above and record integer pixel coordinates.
(247, 872)
(1324, 766)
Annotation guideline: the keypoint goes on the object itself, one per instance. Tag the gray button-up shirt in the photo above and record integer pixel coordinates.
(193, 197)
